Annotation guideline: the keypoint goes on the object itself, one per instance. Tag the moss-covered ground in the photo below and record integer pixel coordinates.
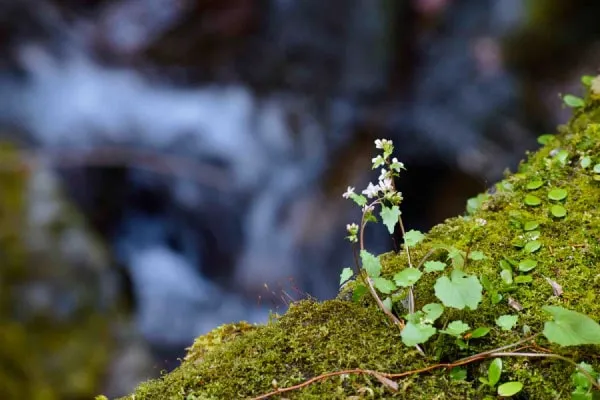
(241, 361)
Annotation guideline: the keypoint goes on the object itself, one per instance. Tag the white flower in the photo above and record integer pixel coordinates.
(383, 175)
(480, 221)
(349, 192)
(377, 161)
(367, 208)
(371, 190)
(396, 165)
(352, 228)
(386, 185)
(381, 143)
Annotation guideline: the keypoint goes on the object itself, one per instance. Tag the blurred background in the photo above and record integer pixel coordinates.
(167, 166)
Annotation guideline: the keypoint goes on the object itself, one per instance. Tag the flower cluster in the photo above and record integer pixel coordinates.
(384, 192)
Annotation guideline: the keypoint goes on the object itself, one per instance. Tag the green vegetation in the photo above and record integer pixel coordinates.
(513, 279)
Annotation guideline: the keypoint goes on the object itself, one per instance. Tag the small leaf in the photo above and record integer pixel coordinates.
(494, 371)
(457, 257)
(545, 139)
(434, 266)
(530, 225)
(532, 247)
(358, 199)
(527, 265)
(390, 216)
(534, 184)
(562, 156)
(407, 277)
(455, 328)
(532, 200)
(523, 279)
(587, 80)
(345, 275)
(585, 162)
(558, 211)
(573, 101)
(495, 297)
(507, 322)
(359, 291)
(433, 311)
(413, 237)
(480, 332)
(459, 291)
(597, 169)
(414, 334)
(509, 389)
(370, 264)
(384, 285)
(477, 255)
(570, 328)
(458, 374)
(387, 303)
(507, 276)
(557, 194)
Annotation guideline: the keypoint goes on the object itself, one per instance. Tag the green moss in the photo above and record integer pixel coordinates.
(314, 338)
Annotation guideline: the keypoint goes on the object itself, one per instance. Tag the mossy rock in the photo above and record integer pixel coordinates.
(55, 320)
(313, 338)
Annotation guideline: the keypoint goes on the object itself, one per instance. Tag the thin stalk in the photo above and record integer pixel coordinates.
(411, 293)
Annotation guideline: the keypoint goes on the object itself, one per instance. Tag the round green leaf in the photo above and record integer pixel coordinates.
(527, 265)
(532, 200)
(433, 311)
(534, 184)
(407, 277)
(434, 266)
(585, 162)
(384, 285)
(412, 237)
(557, 194)
(509, 389)
(523, 279)
(531, 225)
(414, 334)
(370, 263)
(597, 168)
(456, 328)
(533, 246)
(459, 291)
(507, 322)
(558, 211)
(545, 139)
(458, 374)
(345, 275)
(507, 276)
(570, 328)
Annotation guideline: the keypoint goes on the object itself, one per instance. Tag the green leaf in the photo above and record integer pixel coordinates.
(434, 266)
(581, 394)
(585, 162)
(414, 334)
(457, 257)
(459, 291)
(390, 216)
(433, 311)
(557, 194)
(345, 275)
(570, 328)
(507, 276)
(534, 184)
(558, 211)
(494, 371)
(359, 291)
(480, 332)
(359, 199)
(573, 101)
(533, 246)
(507, 322)
(587, 80)
(477, 255)
(384, 285)
(562, 156)
(455, 328)
(532, 200)
(530, 225)
(407, 277)
(495, 297)
(597, 169)
(523, 279)
(527, 265)
(370, 264)
(545, 139)
(413, 237)
(458, 374)
(509, 389)
(387, 303)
